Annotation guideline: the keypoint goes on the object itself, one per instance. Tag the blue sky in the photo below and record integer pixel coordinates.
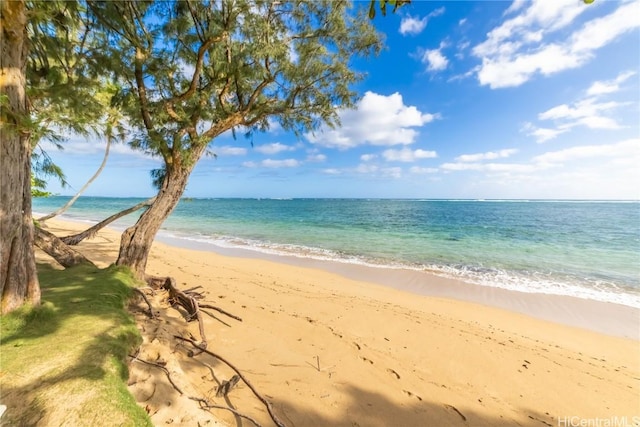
(488, 99)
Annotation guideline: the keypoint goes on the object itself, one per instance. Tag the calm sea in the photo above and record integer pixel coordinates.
(579, 248)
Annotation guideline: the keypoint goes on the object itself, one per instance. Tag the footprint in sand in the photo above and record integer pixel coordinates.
(366, 360)
(408, 393)
(394, 373)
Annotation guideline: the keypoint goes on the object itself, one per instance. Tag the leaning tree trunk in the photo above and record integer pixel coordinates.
(18, 279)
(136, 241)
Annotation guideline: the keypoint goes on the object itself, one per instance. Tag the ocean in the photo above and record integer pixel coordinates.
(586, 249)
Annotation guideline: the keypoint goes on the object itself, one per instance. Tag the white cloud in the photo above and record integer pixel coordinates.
(377, 120)
(413, 26)
(490, 167)
(368, 157)
(609, 86)
(435, 60)
(516, 50)
(627, 149)
(407, 155)
(273, 148)
(542, 134)
(77, 145)
(462, 21)
(422, 171)
(515, 6)
(331, 171)
(587, 112)
(490, 155)
(228, 150)
(270, 163)
(316, 158)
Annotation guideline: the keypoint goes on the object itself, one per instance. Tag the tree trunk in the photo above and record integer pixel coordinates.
(84, 187)
(90, 232)
(59, 250)
(136, 241)
(18, 278)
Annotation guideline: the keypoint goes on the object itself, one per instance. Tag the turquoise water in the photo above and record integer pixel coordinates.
(585, 249)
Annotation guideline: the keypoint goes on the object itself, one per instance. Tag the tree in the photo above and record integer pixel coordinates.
(18, 279)
(195, 69)
(383, 6)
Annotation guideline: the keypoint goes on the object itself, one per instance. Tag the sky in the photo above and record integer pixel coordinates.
(469, 100)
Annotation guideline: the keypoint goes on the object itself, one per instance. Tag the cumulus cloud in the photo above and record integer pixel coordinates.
(434, 59)
(273, 148)
(368, 157)
(377, 120)
(407, 155)
(520, 47)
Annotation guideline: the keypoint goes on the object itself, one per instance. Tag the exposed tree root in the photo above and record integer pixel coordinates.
(266, 403)
(204, 404)
(159, 366)
(144, 297)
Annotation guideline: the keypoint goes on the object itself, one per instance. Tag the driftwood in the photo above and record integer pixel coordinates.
(57, 249)
(90, 232)
(266, 403)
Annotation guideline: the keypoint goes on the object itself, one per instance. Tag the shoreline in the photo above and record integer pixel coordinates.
(598, 316)
(330, 350)
(608, 318)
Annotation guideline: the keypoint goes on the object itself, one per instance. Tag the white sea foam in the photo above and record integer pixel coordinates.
(532, 282)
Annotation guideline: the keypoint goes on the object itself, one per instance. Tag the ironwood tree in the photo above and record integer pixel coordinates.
(192, 70)
(18, 279)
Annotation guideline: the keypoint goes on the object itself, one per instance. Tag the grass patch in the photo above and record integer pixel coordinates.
(64, 362)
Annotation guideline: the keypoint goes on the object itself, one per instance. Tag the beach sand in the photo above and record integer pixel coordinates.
(329, 350)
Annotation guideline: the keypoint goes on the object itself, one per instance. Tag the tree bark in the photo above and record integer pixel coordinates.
(57, 249)
(136, 241)
(18, 278)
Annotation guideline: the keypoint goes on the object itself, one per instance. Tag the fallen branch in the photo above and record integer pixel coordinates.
(273, 416)
(205, 404)
(90, 232)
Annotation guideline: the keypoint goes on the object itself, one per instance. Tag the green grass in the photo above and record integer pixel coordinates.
(64, 362)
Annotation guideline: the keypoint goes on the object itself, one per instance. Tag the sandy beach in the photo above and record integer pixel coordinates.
(328, 347)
